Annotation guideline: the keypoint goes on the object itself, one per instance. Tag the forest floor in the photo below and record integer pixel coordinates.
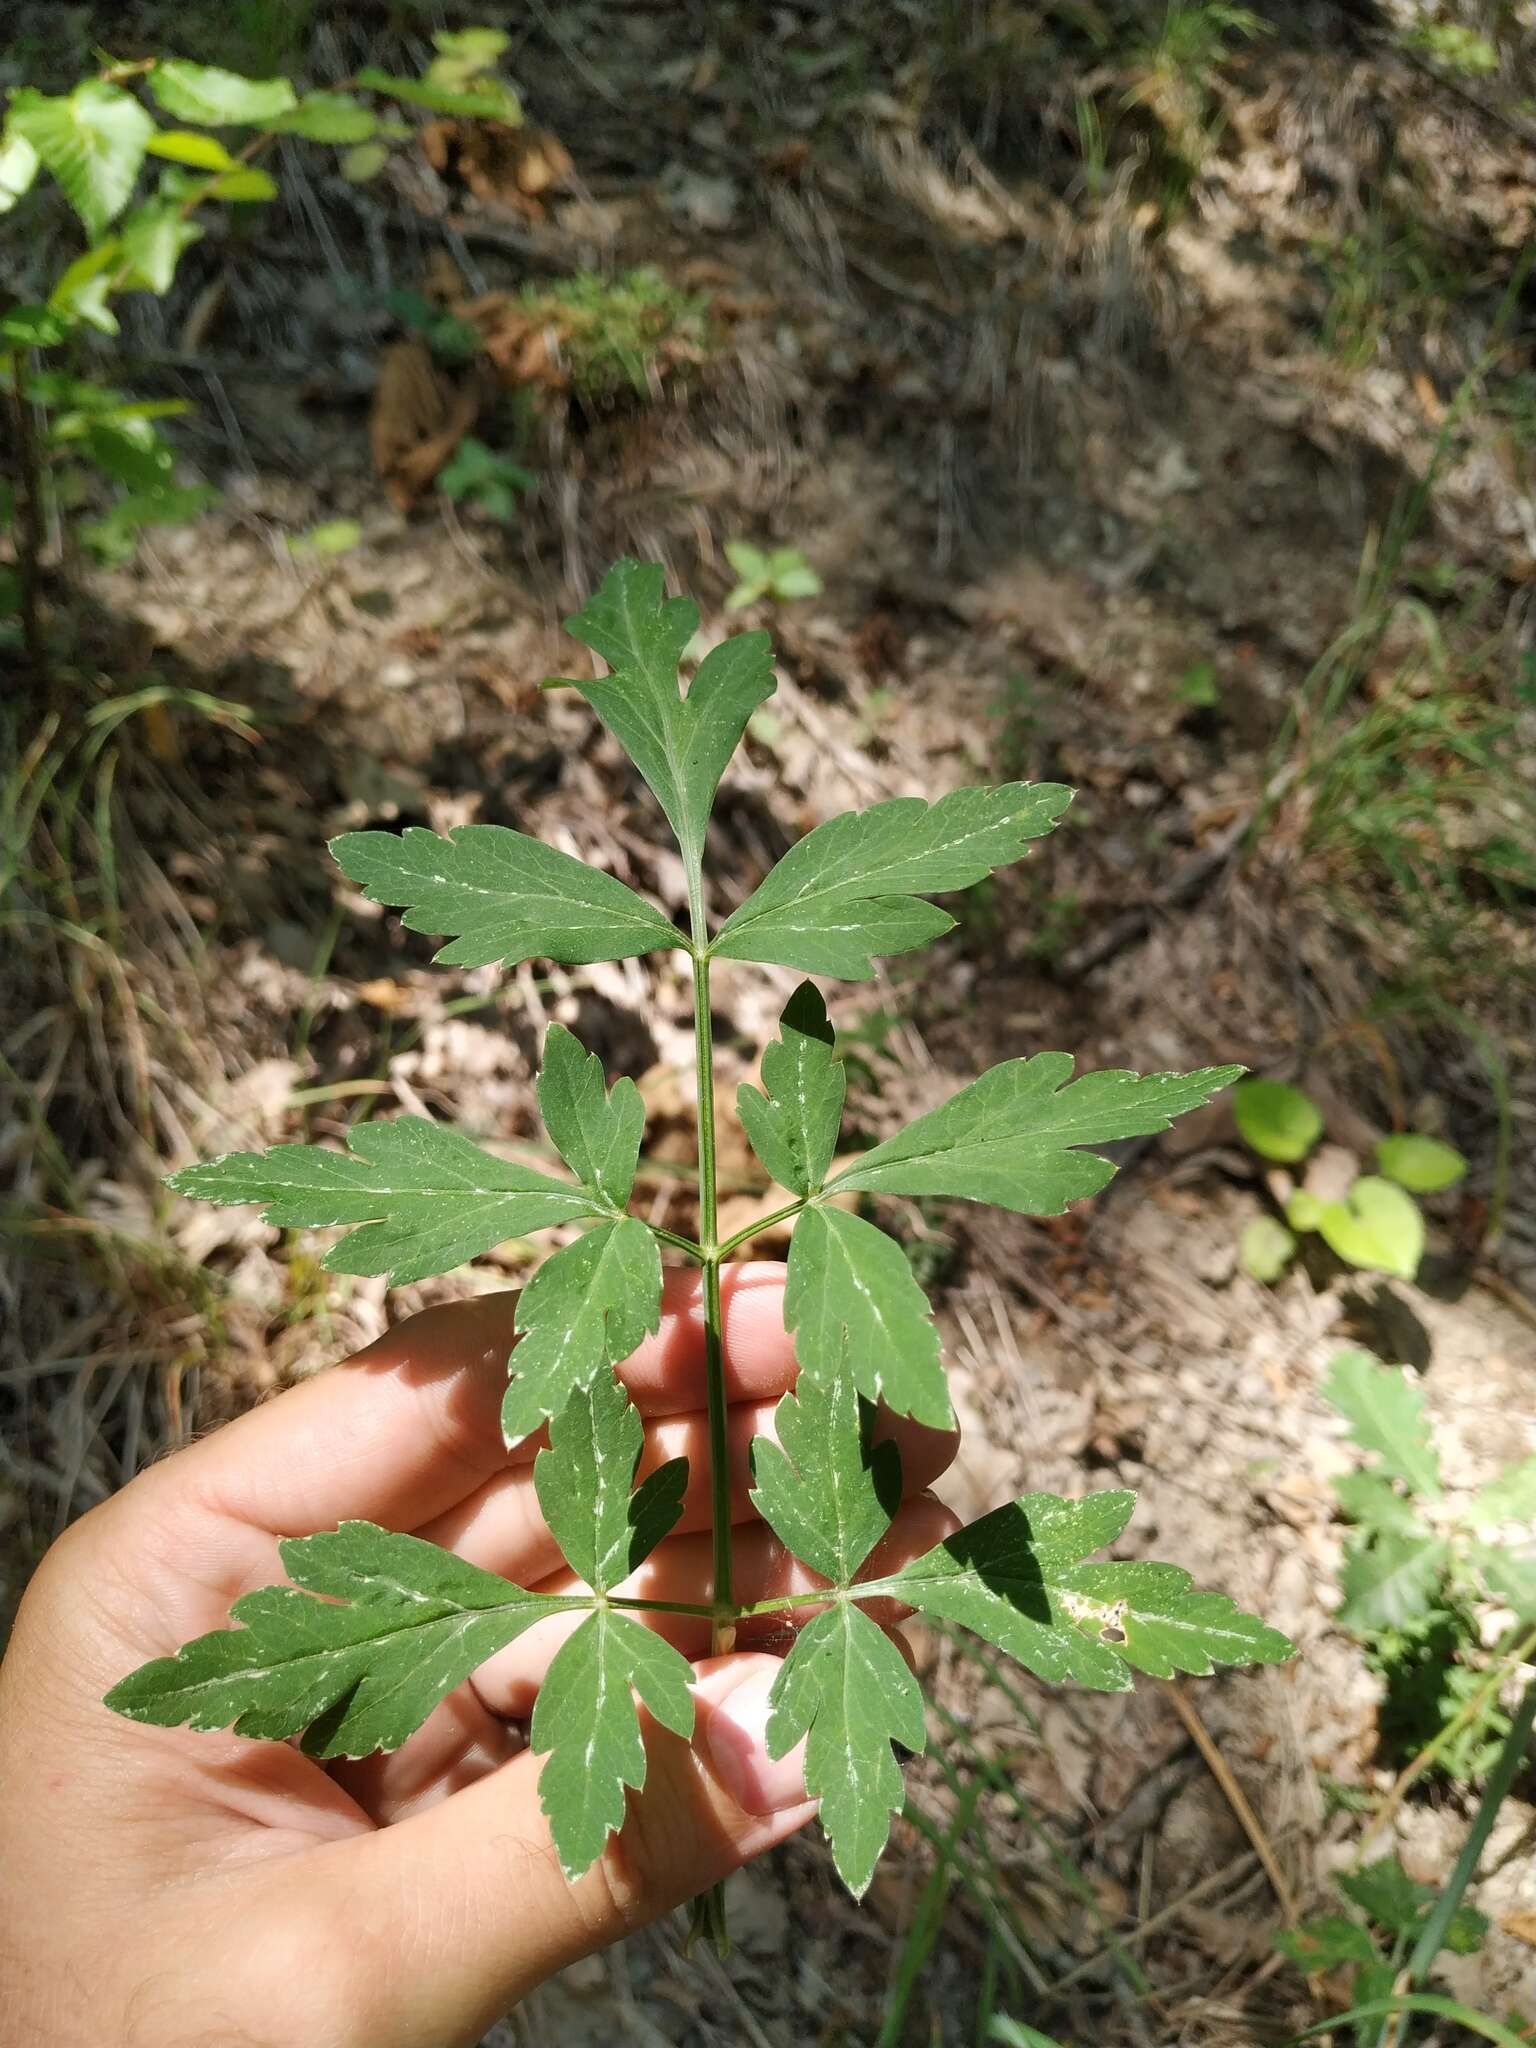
(1191, 465)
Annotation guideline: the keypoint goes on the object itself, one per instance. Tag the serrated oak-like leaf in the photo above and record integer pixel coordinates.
(1017, 1578)
(1385, 1411)
(605, 1526)
(793, 1126)
(845, 1686)
(1009, 1138)
(501, 896)
(586, 1308)
(680, 744)
(597, 1132)
(1370, 1498)
(1391, 1581)
(1325, 1943)
(1387, 1894)
(93, 141)
(584, 1718)
(826, 1494)
(856, 1311)
(218, 99)
(427, 1197)
(359, 1676)
(852, 888)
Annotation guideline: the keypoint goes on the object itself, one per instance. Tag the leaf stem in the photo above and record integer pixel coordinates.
(763, 1223)
(678, 1244)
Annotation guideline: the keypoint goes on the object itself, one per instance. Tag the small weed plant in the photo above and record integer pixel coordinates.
(779, 574)
(374, 1628)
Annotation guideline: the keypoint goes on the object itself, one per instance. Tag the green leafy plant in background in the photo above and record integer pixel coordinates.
(1455, 47)
(781, 574)
(147, 154)
(476, 475)
(620, 335)
(1375, 1225)
(374, 1628)
(1421, 1571)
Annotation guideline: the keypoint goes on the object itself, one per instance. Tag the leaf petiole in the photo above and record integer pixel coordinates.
(763, 1223)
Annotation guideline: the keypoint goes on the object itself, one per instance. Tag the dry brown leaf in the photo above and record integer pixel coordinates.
(511, 168)
(1522, 1926)
(419, 417)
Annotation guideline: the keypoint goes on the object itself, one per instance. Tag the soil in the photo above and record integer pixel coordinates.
(1054, 450)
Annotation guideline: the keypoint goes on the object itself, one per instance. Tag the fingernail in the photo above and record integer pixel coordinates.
(735, 1737)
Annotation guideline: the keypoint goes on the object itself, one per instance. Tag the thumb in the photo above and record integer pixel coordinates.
(467, 1902)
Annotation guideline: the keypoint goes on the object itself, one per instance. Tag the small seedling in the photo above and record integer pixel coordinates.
(375, 1628)
(1376, 1225)
(1393, 1910)
(492, 483)
(334, 537)
(781, 575)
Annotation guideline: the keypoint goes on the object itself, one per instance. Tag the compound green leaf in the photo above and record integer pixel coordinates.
(857, 1312)
(325, 117)
(584, 1718)
(853, 887)
(1009, 1137)
(1377, 1227)
(824, 1490)
(1385, 1411)
(1511, 1497)
(19, 164)
(427, 1197)
(1017, 1577)
(218, 99)
(596, 1132)
(1326, 1943)
(92, 140)
(586, 1308)
(680, 744)
(606, 1527)
(1423, 1165)
(1278, 1122)
(845, 1686)
(1391, 1580)
(794, 1125)
(360, 1676)
(502, 896)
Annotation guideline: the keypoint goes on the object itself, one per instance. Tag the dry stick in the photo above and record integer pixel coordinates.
(1236, 1798)
(1147, 1928)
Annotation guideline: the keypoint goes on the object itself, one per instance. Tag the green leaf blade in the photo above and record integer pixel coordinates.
(1378, 1227)
(428, 1199)
(1392, 1581)
(856, 1310)
(793, 1126)
(846, 1688)
(585, 1485)
(1010, 1137)
(502, 897)
(1385, 1411)
(353, 1678)
(826, 1495)
(1277, 1121)
(587, 1307)
(92, 141)
(584, 1723)
(212, 98)
(597, 1132)
(1422, 1165)
(1167, 1625)
(852, 888)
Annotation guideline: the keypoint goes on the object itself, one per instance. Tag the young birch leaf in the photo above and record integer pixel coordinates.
(585, 1720)
(502, 897)
(587, 1307)
(794, 1125)
(824, 1492)
(596, 1132)
(359, 1676)
(605, 1526)
(845, 1686)
(680, 744)
(1385, 1412)
(427, 1197)
(856, 1311)
(218, 99)
(852, 888)
(93, 141)
(1009, 1137)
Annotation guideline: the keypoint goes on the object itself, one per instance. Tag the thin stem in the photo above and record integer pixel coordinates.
(663, 1607)
(714, 1349)
(29, 524)
(678, 1244)
(763, 1223)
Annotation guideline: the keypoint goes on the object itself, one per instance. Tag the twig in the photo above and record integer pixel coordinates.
(1236, 1798)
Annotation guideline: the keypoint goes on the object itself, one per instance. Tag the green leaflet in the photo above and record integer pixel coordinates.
(1509, 1497)
(1326, 1943)
(325, 117)
(585, 1719)
(587, 1307)
(585, 1479)
(1017, 1577)
(218, 99)
(852, 887)
(826, 1495)
(429, 1198)
(1393, 1580)
(596, 1133)
(1387, 1894)
(855, 1309)
(357, 1677)
(1385, 1412)
(93, 141)
(501, 896)
(1008, 1137)
(794, 1125)
(680, 744)
(1370, 1498)
(846, 1687)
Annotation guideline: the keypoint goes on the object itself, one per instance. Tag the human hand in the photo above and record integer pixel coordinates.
(201, 1891)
